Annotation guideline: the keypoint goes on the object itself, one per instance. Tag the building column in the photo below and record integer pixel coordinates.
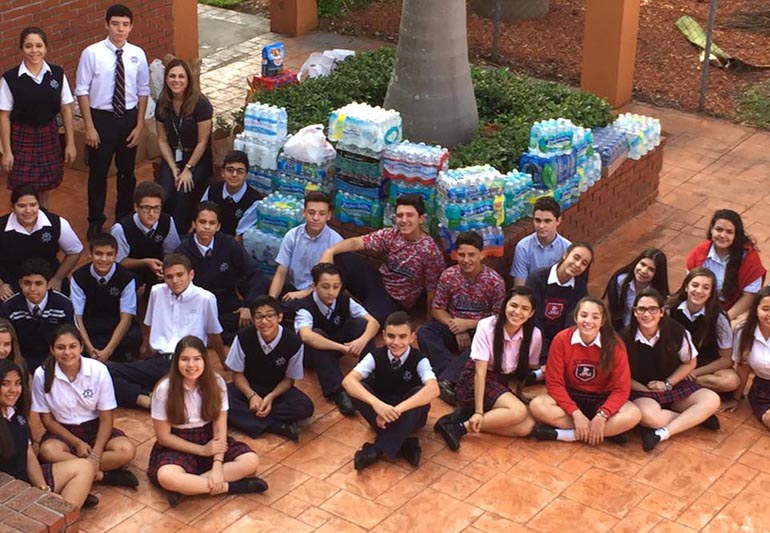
(293, 17)
(185, 27)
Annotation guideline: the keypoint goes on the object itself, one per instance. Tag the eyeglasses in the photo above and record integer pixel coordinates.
(653, 309)
(150, 208)
(268, 316)
(236, 170)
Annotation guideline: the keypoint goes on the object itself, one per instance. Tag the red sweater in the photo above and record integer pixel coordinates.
(566, 361)
(751, 268)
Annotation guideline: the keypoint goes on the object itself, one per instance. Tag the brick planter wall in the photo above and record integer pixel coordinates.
(28, 509)
(609, 203)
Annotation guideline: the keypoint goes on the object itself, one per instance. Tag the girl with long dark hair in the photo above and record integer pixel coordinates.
(588, 382)
(504, 347)
(648, 269)
(661, 356)
(193, 454)
(733, 258)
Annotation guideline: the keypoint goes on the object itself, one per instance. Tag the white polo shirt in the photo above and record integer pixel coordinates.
(127, 296)
(78, 401)
(553, 279)
(69, 243)
(193, 402)
(6, 96)
(304, 319)
(687, 350)
(366, 366)
(96, 74)
(171, 317)
(170, 243)
(236, 358)
(759, 356)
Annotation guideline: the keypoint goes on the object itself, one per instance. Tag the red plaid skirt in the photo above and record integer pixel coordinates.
(37, 156)
(495, 386)
(665, 398)
(86, 432)
(759, 396)
(192, 464)
(47, 469)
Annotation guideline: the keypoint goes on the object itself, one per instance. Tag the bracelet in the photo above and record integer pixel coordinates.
(253, 393)
(218, 460)
(602, 414)
(479, 413)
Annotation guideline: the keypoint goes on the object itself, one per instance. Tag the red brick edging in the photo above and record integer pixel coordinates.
(31, 510)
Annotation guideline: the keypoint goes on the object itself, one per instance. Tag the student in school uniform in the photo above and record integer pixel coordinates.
(266, 360)
(466, 293)
(751, 353)
(234, 196)
(331, 325)
(176, 308)
(112, 86)
(223, 267)
(193, 453)
(104, 298)
(28, 232)
(696, 306)
(732, 256)
(36, 311)
(76, 402)
(588, 382)
(392, 388)
(413, 262)
(504, 349)
(661, 356)
(648, 269)
(557, 291)
(543, 248)
(145, 236)
(301, 249)
(71, 479)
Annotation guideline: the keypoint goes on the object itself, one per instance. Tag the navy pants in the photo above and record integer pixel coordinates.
(179, 204)
(137, 377)
(364, 282)
(291, 406)
(438, 342)
(126, 349)
(113, 133)
(326, 362)
(390, 439)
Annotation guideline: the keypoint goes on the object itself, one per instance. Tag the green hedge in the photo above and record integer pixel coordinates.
(754, 105)
(335, 8)
(508, 105)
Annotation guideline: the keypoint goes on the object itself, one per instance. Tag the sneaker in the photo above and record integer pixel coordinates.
(544, 432)
(411, 451)
(711, 423)
(452, 433)
(649, 439)
(120, 478)
(366, 456)
(343, 402)
(447, 392)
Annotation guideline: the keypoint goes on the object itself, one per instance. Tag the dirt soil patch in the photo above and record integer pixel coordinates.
(667, 67)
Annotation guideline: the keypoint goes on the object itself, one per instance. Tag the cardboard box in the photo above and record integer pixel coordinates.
(147, 148)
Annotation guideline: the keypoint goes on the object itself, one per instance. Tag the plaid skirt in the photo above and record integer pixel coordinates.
(47, 469)
(86, 432)
(37, 156)
(588, 402)
(495, 385)
(665, 398)
(192, 464)
(759, 396)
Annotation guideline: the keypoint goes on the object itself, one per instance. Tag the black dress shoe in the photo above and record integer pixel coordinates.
(452, 433)
(254, 485)
(366, 456)
(91, 501)
(544, 432)
(287, 429)
(447, 392)
(93, 230)
(711, 423)
(649, 439)
(120, 478)
(344, 403)
(458, 416)
(174, 498)
(411, 451)
(619, 439)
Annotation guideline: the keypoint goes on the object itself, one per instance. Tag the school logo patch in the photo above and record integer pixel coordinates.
(114, 291)
(88, 394)
(407, 375)
(21, 420)
(54, 84)
(224, 267)
(337, 320)
(134, 60)
(47, 236)
(158, 238)
(585, 372)
(553, 310)
(238, 213)
(280, 361)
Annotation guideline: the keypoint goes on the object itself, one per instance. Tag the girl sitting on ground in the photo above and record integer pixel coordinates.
(588, 382)
(193, 454)
(648, 269)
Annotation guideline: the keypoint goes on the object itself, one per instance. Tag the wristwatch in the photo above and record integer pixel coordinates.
(602, 414)
(668, 385)
(190, 167)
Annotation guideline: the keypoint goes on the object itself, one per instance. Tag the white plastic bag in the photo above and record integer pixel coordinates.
(157, 72)
(309, 145)
(316, 65)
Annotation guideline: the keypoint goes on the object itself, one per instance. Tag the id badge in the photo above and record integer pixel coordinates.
(178, 155)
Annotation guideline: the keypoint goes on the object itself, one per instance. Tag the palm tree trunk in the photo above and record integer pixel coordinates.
(431, 83)
(512, 9)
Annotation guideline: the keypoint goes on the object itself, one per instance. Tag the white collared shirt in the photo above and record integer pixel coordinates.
(724, 333)
(531, 254)
(299, 252)
(304, 318)
(171, 317)
(249, 218)
(687, 350)
(78, 401)
(759, 356)
(127, 297)
(96, 74)
(193, 403)
(68, 242)
(236, 358)
(577, 339)
(366, 366)
(718, 266)
(170, 243)
(203, 249)
(553, 279)
(6, 96)
(41, 305)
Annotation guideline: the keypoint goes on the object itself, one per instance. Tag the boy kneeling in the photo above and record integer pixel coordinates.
(392, 388)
